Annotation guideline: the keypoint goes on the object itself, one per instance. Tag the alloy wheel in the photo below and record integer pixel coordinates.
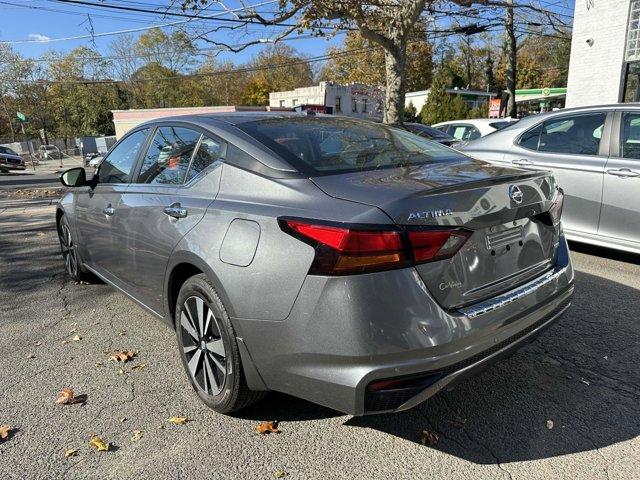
(68, 250)
(203, 346)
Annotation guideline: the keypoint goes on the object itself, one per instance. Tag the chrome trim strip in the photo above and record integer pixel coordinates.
(512, 295)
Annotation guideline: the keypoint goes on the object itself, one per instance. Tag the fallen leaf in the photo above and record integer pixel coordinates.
(5, 430)
(123, 419)
(64, 342)
(76, 338)
(71, 452)
(280, 474)
(31, 355)
(99, 444)
(37, 344)
(139, 366)
(160, 427)
(66, 397)
(178, 420)
(549, 424)
(429, 438)
(268, 427)
(137, 435)
(120, 371)
(122, 333)
(122, 356)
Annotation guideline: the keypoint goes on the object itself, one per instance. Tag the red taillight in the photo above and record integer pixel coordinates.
(347, 250)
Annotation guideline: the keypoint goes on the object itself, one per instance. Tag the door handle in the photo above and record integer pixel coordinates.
(523, 162)
(175, 210)
(109, 210)
(623, 172)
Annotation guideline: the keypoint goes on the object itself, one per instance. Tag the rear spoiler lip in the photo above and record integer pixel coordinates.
(483, 183)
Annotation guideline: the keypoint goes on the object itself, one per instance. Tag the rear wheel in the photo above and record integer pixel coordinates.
(69, 250)
(208, 348)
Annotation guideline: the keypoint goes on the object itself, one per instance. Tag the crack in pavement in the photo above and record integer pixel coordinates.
(472, 439)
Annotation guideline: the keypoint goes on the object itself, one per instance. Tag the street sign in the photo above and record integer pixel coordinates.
(22, 118)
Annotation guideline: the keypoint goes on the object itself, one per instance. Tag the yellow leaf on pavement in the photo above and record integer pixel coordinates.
(178, 420)
(76, 338)
(137, 435)
(5, 430)
(71, 452)
(99, 444)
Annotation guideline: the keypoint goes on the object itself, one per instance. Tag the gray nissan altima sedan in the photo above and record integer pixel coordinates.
(349, 263)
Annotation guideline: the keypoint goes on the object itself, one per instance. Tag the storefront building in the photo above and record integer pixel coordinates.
(605, 53)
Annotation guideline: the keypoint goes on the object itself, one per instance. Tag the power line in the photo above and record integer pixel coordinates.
(131, 30)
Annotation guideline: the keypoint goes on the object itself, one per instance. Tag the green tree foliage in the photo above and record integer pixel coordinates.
(438, 107)
(410, 113)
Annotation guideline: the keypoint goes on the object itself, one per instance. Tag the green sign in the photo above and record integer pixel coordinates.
(21, 117)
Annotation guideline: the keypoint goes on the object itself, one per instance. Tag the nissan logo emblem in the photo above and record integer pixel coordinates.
(516, 194)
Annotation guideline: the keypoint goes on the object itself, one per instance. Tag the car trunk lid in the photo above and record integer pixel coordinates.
(509, 244)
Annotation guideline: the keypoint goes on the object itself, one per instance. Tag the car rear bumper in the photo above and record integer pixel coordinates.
(380, 342)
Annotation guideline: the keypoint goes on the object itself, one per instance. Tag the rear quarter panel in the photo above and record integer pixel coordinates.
(267, 287)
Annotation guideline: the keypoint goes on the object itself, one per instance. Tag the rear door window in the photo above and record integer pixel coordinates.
(168, 156)
(208, 152)
(630, 136)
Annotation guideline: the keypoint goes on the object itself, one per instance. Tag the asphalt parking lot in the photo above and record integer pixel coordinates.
(565, 406)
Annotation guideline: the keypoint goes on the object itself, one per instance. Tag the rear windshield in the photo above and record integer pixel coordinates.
(428, 131)
(325, 146)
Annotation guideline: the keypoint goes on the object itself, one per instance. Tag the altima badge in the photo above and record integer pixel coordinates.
(516, 194)
(430, 214)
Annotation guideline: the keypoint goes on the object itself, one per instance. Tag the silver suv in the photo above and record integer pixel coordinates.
(594, 154)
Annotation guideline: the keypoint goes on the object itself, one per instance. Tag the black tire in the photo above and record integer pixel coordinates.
(70, 254)
(208, 345)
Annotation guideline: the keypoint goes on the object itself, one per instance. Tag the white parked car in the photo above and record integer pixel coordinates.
(466, 130)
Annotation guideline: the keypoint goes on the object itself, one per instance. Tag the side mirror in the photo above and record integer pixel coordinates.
(74, 177)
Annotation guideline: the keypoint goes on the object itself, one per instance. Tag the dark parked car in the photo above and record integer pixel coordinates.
(346, 262)
(10, 159)
(430, 133)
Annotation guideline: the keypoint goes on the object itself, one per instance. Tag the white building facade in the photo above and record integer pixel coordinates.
(354, 100)
(605, 53)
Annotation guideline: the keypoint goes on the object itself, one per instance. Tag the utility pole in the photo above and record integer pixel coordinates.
(511, 55)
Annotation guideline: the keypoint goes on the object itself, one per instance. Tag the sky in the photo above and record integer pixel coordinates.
(34, 27)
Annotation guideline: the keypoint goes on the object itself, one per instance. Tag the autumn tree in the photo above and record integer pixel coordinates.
(359, 60)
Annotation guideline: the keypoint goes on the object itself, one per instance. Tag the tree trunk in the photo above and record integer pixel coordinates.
(395, 61)
(511, 61)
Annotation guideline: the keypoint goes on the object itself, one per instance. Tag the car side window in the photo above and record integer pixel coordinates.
(630, 136)
(118, 165)
(168, 156)
(208, 152)
(531, 138)
(576, 135)
(472, 133)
